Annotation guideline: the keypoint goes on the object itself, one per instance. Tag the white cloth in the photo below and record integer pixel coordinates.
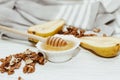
(20, 14)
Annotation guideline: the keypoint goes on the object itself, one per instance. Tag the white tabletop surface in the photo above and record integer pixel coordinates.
(84, 66)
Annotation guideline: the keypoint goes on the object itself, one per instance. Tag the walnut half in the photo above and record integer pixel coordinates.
(29, 68)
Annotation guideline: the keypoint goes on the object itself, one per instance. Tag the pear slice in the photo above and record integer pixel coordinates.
(102, 46)
(46, 29)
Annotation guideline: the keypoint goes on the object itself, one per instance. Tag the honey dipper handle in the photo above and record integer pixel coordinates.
(22, 33)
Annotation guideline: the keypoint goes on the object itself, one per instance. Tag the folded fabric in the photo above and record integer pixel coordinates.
(20, 14)
(7, 3)
(110, 5)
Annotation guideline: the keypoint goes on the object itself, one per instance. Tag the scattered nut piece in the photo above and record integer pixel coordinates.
(96, 30)
(41, 58)
(19, 78)
(12, 61)
(29, 68)
(27, 51)
(28, 61)
(17, 65)
(10, 71)
(90, 35)
(104, 35)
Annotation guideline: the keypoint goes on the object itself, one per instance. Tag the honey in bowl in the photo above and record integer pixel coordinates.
(69, 45)
(58, 54)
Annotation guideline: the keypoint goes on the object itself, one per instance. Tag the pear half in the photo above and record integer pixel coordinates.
(46, 29)
(103, 46)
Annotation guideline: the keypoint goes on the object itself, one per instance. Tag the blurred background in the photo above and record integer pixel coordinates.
(85, 14)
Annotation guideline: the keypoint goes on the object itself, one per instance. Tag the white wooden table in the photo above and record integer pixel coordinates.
(84, 66)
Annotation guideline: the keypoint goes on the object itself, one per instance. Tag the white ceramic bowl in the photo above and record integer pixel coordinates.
(61, 56)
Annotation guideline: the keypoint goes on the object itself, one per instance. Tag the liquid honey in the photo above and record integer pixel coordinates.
(69, 45)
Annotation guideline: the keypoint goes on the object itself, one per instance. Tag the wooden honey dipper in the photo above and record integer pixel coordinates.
(52, 41)
(56, 41)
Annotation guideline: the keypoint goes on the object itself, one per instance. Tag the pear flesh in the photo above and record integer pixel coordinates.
(46, 29)
(102, 46)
